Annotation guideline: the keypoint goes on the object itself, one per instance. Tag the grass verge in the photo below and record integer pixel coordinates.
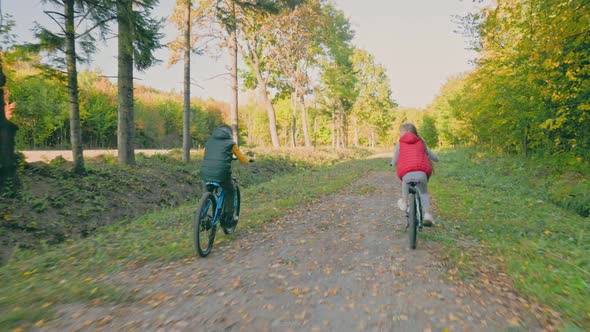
(499, 209)
(34, 283)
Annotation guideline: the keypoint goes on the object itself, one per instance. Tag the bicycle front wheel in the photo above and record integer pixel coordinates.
(230, 229)
(412, 221)
(204, 228)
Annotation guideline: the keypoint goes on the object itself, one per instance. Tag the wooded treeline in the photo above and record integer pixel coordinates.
(298, 54)
(530, 90)
(43, 119)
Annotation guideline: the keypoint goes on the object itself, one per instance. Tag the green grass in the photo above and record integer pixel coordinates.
(35, 282)
(499, 209)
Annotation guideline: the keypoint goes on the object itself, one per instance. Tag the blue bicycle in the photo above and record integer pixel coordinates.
(210, 214)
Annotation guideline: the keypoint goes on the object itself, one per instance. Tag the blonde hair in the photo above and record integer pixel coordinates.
(409, 127)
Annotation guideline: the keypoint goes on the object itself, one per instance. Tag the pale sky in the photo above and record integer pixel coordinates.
(413, 39)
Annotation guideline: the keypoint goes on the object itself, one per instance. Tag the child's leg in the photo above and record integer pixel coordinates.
(229, 190)
(405, 190)
(422, 180)
(424, 196)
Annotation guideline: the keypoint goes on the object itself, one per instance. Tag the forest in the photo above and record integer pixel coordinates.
(510, 193)
(308, 85)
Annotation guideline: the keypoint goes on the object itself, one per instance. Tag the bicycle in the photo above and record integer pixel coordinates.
(210, 214)
(415, 219)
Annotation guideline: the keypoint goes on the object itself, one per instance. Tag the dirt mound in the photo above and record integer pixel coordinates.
(54, 204)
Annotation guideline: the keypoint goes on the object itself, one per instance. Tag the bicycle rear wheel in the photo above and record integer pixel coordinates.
(204, 228)
(230, 229)
(412, 221)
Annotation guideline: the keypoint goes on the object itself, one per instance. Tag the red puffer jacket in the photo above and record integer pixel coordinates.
(412, 156)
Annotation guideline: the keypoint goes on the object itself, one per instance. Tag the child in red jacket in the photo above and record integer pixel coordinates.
(412, 158)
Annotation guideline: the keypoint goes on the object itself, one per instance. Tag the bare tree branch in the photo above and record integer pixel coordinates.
(54, 20)
(95, 26)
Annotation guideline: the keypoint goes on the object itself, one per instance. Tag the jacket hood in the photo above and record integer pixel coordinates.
(222, 133)
(409, 138)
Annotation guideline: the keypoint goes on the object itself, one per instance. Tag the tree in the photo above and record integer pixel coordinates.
(262, 70)
(138, 38)
(73, 14)
(294, 45)
(338, 73)
(183, 18)
(374, 105)
(530, 89)
(428, 131)
(8, 158)
(452, 128)
(228, 16)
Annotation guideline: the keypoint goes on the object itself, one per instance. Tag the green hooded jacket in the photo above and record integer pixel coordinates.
(216, 165)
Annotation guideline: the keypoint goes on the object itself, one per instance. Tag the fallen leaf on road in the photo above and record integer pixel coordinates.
(104, 321)
(331, 292)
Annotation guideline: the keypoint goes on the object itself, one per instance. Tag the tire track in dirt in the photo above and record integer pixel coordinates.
(339, 264)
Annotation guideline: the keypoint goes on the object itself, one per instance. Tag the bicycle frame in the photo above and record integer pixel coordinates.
(412, 189)
(219, 197)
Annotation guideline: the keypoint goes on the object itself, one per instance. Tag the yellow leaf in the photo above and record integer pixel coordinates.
(88, 279)
(160, 297)
(296, 292)
(18, 329)
(28, 273)
(331, 292)
(104, 321)
(40, 323)
(547, 232)
(93, 291)
(302, 241)
(514, 321)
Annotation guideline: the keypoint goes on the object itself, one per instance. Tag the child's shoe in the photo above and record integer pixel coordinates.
(401, 205)
(428, 220)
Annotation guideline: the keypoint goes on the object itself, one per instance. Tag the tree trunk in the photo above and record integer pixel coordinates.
(8, 162)
(339, 130)
(315, 130)
(186, 124)
(233, 59)
(333, 128)
(344, 130)
(74, 105)
(304, 122)
(262, 90)
(126, 124)
(356, 131)
(294, 119)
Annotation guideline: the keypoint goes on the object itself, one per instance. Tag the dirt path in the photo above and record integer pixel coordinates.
(337, 265)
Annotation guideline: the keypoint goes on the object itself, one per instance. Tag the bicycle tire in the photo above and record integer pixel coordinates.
(205, 223)
(412, 220)
(229, 230)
